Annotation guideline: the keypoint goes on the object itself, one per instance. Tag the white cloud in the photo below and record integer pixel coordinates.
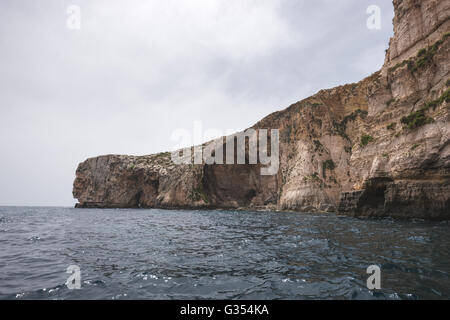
(234, 28)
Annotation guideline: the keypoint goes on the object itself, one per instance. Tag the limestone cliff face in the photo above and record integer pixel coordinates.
(417, 24)
(379, 147)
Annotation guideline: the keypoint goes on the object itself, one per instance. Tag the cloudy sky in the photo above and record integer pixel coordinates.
(137, 70)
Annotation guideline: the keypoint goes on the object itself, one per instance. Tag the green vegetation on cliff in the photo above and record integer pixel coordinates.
(419, 118)
(342, 126)
(391, 126)
(423, 58)
(199, 194)
(329, 164)
(445, 97)
(354, 115)
(318, 145)
(416, 119)
(365, 139)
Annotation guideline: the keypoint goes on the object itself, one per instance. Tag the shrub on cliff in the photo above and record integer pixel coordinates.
(416, 119)
(365, 139)
(329, 164)
(391, 126)
(424, 57)
(445, 97)
(352, 117)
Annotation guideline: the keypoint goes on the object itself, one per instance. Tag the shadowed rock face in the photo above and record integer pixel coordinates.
(235, 186)
(378, 148)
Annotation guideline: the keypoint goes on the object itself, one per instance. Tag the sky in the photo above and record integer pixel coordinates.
(120, 76)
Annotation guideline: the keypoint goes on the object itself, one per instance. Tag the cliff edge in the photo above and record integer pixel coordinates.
(375, 148)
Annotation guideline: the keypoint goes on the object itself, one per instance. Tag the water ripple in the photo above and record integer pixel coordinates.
(163, 254)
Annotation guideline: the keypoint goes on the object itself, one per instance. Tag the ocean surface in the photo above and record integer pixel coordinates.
(169, 254)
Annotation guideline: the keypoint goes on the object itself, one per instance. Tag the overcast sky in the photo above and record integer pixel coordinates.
(138, 70)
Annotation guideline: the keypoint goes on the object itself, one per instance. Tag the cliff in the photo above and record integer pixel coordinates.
(379, 147)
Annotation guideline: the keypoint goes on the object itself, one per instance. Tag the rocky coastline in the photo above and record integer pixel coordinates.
(376, 148)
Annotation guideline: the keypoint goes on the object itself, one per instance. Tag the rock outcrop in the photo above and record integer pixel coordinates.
(377, 148)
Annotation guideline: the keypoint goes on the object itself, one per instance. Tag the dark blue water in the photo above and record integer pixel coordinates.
(158, 254)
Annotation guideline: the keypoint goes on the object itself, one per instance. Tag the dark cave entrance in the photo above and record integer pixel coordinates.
(373, 197)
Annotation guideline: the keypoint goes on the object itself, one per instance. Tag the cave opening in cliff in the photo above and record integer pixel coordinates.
(373, 198)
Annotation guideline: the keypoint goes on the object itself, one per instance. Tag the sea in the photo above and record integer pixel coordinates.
(66, 253)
